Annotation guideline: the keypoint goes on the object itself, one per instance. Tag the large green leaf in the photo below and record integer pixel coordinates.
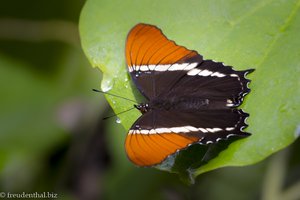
(33, 113)
(245, 34)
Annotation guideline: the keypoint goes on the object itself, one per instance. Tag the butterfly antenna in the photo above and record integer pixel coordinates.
(118, 113)
(114, 95)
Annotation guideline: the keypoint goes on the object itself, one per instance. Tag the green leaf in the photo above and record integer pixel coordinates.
(245, 34)
(33, 116)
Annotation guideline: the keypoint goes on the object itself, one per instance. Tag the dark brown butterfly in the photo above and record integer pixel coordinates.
(189, 100)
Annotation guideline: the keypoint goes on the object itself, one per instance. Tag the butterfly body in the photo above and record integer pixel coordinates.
(189, 100)
(174, 103)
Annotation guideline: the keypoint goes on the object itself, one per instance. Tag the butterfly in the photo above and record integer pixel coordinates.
(189, 100)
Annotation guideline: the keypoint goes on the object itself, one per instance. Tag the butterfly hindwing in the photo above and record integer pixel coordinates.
(152, 149)
(222, 85)
(146, 145)
(157, 134)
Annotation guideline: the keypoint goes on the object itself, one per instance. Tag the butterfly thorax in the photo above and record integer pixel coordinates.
(143, 107)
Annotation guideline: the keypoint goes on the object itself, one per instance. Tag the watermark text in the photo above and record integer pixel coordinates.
(28, 195)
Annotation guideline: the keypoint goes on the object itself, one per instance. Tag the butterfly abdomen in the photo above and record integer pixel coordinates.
(183, 103)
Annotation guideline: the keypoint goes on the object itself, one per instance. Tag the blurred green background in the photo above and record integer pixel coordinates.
(53, 138)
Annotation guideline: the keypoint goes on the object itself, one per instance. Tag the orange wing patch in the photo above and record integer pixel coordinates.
(152, 149)
(147, 45)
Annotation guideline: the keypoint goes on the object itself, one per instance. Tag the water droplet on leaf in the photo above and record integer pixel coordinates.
(118, 120)
(106, 84)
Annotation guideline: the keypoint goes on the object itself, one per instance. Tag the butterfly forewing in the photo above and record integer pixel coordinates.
(149, 54)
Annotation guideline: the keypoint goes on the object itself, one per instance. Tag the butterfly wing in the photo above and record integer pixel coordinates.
(158, 134)
(149, 53)
(157, 65)
(163, 70)
(223, 86)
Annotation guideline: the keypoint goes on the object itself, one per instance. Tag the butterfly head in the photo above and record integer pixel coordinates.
(142, 107)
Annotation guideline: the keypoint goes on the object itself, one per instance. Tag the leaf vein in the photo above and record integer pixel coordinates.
(285, 25)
